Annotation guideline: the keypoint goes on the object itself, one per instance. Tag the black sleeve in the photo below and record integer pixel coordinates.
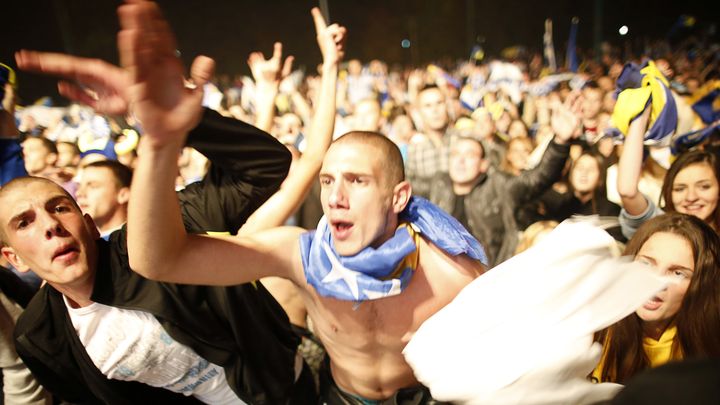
(532, 183)
(247, 167)
(14, 288)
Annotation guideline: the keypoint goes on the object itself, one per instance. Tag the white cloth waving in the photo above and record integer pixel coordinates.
(522, 332)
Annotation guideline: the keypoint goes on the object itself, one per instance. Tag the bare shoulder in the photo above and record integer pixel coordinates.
(434, 259)
(273, 237)
(284, 243)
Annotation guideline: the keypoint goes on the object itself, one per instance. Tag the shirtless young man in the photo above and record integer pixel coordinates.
(363, 193)
(364, 197)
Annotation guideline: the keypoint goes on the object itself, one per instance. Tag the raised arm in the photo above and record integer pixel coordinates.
(267, 74)
(630, 167)
(248, 165)
(158, 244)
(292, 192)
(566, 125)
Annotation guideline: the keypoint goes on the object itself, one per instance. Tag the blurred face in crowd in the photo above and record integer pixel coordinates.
(433, 109)
(354, 67)
(695, 190)
(606, 83)
(592, 103)
(356, 198)
(517, 129)
(671, 255)
(503, 123)
(664, 67)
(585, 174)
(68, 155)
(518, 153)
(37, 156)
(367, 116)
(402, 128)
(45, 231)
(466, 161)
(288, 127)
(102, 196)
(609, 102)
(485, 125)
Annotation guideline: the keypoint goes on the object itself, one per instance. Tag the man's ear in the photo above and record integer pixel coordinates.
(123, 195)
(401, 196)
(94, 232)
(14, 259)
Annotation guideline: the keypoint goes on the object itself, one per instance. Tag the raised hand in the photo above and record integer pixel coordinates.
(331, 38)
(93, 82)
(268, 71)
(165, 105)
(565, 120)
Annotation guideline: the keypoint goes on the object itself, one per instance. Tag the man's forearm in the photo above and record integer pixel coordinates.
(155, 230)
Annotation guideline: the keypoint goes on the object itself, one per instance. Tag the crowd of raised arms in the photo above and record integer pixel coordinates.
(182, 236)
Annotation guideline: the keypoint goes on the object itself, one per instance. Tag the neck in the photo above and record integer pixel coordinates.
(583, 196)
(115, 222)
(78, 295)
(654, 330)
(436, 136)
(390, 227)
(462, 189)
(466, 187)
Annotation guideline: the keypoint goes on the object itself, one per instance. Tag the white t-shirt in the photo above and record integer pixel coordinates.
(131, 345)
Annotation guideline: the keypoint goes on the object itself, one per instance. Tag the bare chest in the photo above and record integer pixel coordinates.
(389, 323)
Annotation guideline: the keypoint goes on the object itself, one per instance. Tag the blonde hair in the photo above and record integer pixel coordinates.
(533, 234)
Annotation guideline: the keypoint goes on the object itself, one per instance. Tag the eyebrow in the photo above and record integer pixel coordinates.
(671, 267)
(51, 201)
(356, 174)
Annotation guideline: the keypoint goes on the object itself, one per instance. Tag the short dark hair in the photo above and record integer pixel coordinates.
(429, 87)
(391, 158)
(122, 173)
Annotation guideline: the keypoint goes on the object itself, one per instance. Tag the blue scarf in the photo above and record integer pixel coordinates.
(373, 273)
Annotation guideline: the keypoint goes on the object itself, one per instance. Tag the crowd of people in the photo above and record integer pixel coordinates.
(154, 233)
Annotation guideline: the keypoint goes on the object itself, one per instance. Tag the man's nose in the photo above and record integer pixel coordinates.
(53, 227)
(337, 199)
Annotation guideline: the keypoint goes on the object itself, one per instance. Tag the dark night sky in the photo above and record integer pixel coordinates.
(228, 30)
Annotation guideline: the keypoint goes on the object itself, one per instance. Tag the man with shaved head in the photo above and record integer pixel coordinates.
(380, 263)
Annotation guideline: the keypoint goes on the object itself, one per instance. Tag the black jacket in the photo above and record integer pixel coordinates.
(241, 328)
(490, 206)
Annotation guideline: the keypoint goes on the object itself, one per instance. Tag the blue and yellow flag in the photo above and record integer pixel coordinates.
(639, 88)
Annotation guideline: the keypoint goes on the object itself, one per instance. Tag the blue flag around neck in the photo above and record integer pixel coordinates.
(375, 273)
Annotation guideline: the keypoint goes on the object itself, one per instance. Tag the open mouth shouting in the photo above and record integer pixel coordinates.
(66, 254)
(341, 229)
(653, 304)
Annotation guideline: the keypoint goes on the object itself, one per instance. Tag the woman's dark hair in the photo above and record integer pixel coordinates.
(683, 161)
(697, 321)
